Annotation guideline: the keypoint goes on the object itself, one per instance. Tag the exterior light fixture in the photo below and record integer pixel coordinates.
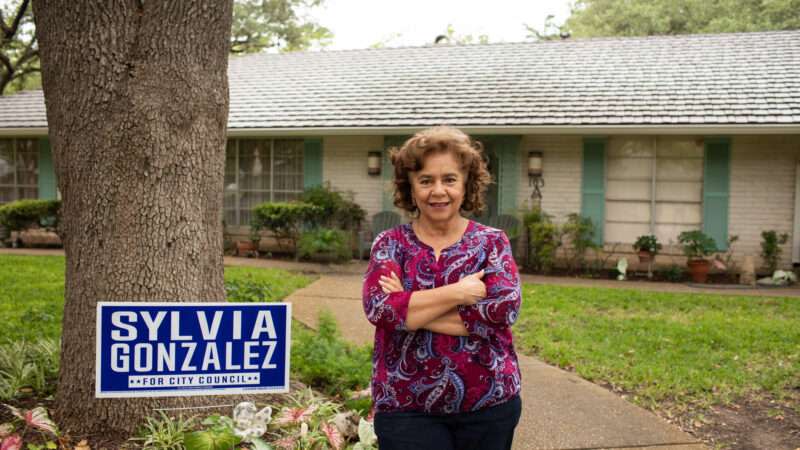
(374, 163)
(535, 172)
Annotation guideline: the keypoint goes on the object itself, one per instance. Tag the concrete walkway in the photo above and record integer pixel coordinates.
(560, 410)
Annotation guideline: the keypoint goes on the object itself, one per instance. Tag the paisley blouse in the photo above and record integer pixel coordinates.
(424, 371)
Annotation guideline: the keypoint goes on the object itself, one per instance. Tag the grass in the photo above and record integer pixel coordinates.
(31, 297)
(32, 293)
(666, 347)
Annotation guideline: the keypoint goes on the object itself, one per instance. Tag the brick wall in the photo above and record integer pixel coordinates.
(344, 165)
(561, 194)
(762, 191)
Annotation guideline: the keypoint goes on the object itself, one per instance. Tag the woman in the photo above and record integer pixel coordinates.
(443, 292)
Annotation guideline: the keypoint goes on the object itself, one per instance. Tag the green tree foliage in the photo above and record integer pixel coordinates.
(590, 18)
(257, 25)
(19, 54)
(450, 37)
(275, 24)
(550, 31)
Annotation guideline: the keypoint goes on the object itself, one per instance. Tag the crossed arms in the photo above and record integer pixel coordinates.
(480, 303)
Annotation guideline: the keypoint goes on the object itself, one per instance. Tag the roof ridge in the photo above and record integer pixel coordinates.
(523, 43)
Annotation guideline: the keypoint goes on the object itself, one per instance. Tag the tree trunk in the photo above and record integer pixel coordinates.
(137, 106)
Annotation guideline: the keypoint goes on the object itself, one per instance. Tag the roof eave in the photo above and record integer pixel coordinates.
(592, 130)
(589, 130)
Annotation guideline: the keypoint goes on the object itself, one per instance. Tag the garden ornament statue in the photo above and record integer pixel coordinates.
(622, 268)
(249, 422)
(778, 278)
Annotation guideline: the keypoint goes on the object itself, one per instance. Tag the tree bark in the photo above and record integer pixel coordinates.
(137, 106)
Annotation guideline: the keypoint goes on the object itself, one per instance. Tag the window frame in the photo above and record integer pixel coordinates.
(239, 191)
(15, 186)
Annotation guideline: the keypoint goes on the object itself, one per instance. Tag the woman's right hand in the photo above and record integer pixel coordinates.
(471, 288)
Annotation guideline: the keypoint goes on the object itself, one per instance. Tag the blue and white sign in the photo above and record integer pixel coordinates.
(183, 349)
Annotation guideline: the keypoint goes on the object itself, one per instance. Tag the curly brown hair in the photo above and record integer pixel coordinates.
(442, 139)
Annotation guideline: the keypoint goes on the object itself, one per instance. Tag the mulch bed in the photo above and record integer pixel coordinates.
(749, 423)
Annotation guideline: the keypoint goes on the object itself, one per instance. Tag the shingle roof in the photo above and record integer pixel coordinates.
(23, 110)
(736, 78)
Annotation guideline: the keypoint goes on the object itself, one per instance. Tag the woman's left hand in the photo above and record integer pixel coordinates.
(390, 285)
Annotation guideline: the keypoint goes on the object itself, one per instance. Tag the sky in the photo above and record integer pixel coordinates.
(362, 23)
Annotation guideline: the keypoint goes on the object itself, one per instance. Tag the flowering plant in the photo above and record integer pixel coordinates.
(647, 243)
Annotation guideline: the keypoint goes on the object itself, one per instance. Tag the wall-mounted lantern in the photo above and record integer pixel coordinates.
(535, 172)
(374, 163)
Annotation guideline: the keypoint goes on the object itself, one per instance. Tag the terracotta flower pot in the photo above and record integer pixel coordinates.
(645, 256)
(246, 248)
(698, 269)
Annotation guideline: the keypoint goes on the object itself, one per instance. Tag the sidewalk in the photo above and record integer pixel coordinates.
(560, 410)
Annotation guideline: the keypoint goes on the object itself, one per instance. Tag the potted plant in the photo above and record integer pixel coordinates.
(697, 246)
(255, 238)
(647, 247)
(250, 246)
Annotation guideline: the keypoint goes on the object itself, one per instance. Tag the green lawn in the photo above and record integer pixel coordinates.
(32, 292)
(666, 347)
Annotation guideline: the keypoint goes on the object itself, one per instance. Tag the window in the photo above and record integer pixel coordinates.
(653, 186)
(19, 160)
(258, 171)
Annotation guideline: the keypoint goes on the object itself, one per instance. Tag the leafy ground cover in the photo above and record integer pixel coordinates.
(691, 358)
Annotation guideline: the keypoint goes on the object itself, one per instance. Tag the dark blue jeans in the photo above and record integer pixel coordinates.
(487, 429)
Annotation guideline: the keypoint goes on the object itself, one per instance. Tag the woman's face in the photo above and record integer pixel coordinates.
(438, 188)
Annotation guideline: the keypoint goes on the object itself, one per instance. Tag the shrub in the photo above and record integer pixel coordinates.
(247, 291)
(674, 273)
(325, 361)
(325, 241)
(334, 210)
(580, 231)
(771, 249)
(283, 219)
(696, 244)
(23, 214)
(544, 239)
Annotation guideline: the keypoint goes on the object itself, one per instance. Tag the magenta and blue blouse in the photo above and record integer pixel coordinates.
(429, 372)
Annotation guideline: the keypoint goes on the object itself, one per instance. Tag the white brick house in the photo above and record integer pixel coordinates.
(643, 135)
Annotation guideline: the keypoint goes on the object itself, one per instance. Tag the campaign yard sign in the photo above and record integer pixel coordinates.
(183, 349)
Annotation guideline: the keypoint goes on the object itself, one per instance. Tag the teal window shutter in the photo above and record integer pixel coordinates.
(47, 174)
(716, 190)
(507, 151)
(593, 186)
(387, 170)
(312, 163)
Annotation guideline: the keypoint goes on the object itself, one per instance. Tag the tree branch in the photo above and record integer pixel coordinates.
(29, 52)
(23, 73)
(9, 33)
(6, 62)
